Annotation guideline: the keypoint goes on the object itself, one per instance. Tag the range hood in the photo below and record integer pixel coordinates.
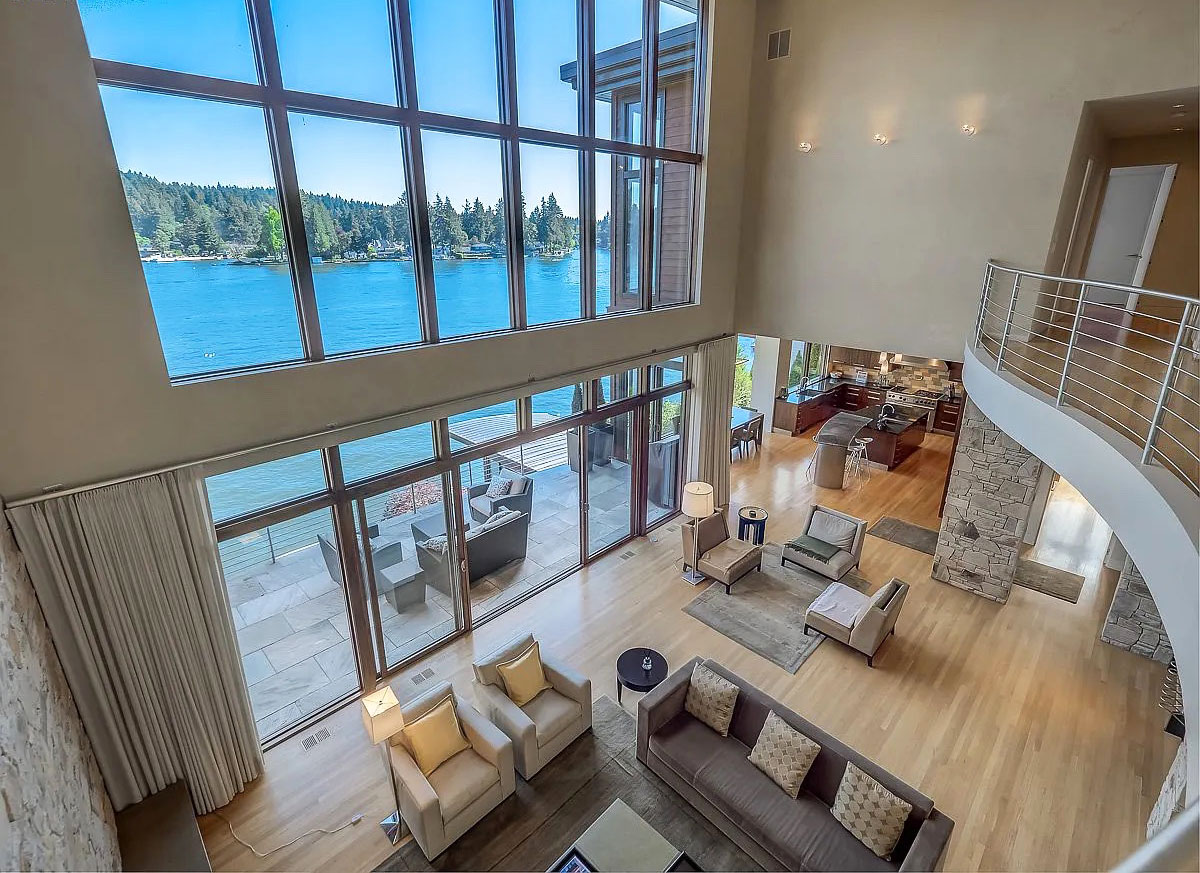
(898, 360)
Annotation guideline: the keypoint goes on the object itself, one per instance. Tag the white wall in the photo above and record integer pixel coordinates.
(763, 375)
(83, 386)
(884, 247)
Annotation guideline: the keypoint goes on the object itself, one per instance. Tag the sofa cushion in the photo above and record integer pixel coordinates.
(711, 699)
(461, 781)
(519, 484)
(523, 676)
(784, 754)
(485, 667)
(498, 488)
(482, 504)
(832, 529)
(800, 832)
(686, 745)
(725, 556)
(551, 713)
(841, 604)
(869, 811)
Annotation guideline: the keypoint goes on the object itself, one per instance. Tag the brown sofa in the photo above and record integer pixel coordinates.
(714, 774)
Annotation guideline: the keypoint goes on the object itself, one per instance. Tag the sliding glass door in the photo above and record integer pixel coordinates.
(408, 567)
(609, 482)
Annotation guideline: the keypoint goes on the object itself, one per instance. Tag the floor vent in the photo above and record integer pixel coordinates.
(310, 742)
(625, 556)
(779, 44)
(424, 676)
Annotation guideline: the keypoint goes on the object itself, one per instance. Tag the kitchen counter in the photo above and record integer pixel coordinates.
(896, 423)
(892, 439)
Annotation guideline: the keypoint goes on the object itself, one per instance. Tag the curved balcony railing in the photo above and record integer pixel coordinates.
(1128, 356)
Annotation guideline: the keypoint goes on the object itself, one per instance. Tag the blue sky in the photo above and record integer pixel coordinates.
(349, 55)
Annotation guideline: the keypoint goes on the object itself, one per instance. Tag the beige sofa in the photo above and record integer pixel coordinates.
(861, 621)
(442, 807)
(544, 726)
(836, 528)
(722, 557)
(714, 775)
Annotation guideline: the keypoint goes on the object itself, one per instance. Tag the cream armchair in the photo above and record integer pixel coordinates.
(544, 726)
(860, 621)
(721, 557)
(440, 808)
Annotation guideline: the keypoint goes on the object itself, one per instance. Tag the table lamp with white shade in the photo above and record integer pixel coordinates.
(383, 720)
(697, 505)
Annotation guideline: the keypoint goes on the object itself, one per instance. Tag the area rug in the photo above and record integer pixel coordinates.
(765, 612)
(1048, 580)
(535, 826)
(904, 533)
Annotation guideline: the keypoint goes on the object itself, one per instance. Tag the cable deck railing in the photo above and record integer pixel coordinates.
(1128, 356)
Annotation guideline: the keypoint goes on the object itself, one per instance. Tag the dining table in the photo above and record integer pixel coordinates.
(742, 427)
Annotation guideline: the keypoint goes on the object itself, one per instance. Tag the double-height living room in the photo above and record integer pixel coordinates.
(610, 435)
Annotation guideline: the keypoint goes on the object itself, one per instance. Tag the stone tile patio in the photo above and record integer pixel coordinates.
(291, 619)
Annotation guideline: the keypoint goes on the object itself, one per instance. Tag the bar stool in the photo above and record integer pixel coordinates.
(857, 466)
(810, 470)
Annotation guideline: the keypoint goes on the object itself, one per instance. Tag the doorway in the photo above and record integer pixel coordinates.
(1123, 240)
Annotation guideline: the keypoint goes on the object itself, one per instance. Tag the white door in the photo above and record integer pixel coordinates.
(1130, 213)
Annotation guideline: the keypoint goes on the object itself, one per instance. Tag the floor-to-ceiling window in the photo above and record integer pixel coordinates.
(345, 563)
(308, 180)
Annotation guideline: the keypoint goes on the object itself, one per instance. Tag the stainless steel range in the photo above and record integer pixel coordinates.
(915, 401)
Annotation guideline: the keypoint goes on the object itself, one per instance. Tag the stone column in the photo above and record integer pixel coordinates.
(992, 484)
(1133, 622)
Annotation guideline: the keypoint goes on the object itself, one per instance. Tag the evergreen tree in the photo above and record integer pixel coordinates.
(270, 237)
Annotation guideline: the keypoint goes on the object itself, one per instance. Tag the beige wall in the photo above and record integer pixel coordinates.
(1175, 262)
(883, 247)
(83, 388)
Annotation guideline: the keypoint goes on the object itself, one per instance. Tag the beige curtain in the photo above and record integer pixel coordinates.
(129, 581)
(711, 405)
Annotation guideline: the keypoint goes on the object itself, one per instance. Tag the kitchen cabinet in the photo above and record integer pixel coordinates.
(874, 396)
(945, 418)
(798, 416)
(856, 357)
(851, 397)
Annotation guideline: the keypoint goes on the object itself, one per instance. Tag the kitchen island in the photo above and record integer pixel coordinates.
(893, 437)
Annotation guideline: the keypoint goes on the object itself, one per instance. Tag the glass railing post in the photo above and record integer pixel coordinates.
(1168, 375)
(1012, 307)
(1062, 383)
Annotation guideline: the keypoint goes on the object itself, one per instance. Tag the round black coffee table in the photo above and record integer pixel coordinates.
(633, 675)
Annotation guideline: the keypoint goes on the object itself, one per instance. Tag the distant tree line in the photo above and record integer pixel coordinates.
(230, 220)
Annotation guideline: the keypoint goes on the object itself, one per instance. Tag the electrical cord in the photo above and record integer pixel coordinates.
(357, 818)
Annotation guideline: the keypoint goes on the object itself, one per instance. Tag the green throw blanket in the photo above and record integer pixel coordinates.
(814, 547)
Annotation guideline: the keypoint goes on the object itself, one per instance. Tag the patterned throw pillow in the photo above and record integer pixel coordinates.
(498, 488)
(710, 698)
(437, 544)
(870, 811)
(783, 753)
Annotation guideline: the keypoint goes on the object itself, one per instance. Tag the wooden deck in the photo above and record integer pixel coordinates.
(543, 454)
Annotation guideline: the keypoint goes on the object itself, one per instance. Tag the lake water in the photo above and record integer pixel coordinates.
(213, 315)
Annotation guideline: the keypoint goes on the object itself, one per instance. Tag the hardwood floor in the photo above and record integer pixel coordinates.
(1042, 743)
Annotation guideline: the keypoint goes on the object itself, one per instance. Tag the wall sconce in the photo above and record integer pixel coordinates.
(968, 129)
(880, 139)
(805, 147)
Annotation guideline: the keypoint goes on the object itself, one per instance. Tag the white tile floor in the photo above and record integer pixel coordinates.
(291, 619)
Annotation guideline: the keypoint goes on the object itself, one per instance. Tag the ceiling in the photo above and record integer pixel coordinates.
(1149, 114)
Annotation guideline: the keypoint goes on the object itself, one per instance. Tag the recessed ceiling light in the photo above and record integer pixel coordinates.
(805, 147)
(880, 139)
(968, 129)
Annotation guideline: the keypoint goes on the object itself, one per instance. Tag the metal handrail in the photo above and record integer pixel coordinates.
(1008, 325)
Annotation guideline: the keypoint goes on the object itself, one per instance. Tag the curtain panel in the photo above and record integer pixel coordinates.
(712, 393)
(129, 580)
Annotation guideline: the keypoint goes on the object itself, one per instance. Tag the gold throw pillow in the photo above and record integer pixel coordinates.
(870, 811)
(783, 753)
(436, 737)
(524, 677)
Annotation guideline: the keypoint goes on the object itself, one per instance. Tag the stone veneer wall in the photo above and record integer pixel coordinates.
(54, 812)
(992, 483)
(1170, 798)
(1133, 622)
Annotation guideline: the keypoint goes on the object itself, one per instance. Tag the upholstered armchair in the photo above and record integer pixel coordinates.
(441, 807)
(836, 528)
(484, 507)
(721, 557)
(544, 726)
(860, 621)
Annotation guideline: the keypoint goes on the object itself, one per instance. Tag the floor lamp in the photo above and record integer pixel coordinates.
(697, 505)
(383, 720)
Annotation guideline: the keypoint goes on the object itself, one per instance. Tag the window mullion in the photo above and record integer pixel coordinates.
(279, 141)
(585, 67)
(510, 156)
(647, 164)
